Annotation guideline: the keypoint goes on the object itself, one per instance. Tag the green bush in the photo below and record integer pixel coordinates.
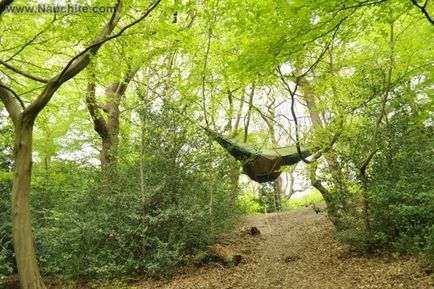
(249, 203)
(7, 264)
(400, 199)
(86, 227)
(402, 189)
(6, 249)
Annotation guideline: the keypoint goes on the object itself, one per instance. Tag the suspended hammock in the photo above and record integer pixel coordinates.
(260, 164)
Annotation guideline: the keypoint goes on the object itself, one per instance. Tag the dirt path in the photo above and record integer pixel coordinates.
(295, 250)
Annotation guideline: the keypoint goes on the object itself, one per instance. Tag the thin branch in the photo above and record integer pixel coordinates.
(382, 114)
(21, 45)
(12, 80)
(82, 60)
(424, 11)
(4, 4)
(205, 63)
(79, 64)
(294, 116)
(249, 113)
(366, 162)
(330, 30)
(363, 4)
(262, 114)
(9, 102)
(123, 85)
(64, 75)
(31, 90)
(24, 46)
(14, 94)
(330, 43)
(23, 73)
(297, 83)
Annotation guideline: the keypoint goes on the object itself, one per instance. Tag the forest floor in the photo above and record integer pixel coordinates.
(296, 250)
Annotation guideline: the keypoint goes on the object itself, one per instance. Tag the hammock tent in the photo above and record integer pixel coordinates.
(260, 164)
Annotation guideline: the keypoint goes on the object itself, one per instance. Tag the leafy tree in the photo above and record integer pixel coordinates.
(352, 80)
(23, 118)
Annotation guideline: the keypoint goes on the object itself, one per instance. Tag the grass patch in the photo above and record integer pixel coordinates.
(313, 197)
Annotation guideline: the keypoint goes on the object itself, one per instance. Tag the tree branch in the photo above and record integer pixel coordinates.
(249, 113)
(423, 9)
(82, 60)
(9, 102)
(335, 29)
(75, 65)
(383, 113)
(71, 70)
(362, 4)
(95, 111)
(23, 73)
(122, 87)
(14, 94)
(4, 4)
(242, 100)
(297, 84)
(24, 46)
(366, 162)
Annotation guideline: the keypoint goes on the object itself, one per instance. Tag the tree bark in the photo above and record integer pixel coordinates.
(249, 113)
(108, 127)
(291, 182)
(28, 269)
(337, 202)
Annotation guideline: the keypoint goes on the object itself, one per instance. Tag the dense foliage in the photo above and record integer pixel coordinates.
(6, 257)
(126, 181)
(84, 228)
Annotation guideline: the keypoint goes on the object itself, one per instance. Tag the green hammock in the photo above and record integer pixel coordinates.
(260, 164)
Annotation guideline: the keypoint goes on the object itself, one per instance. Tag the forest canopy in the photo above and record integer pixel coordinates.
(105, 168)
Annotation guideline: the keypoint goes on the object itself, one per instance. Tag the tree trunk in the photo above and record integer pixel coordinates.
(110, 141)
(291, 182)
(277, 184)
(277, 189)
(108, 126)
(105, 156)
(28, 270)
(336, 202)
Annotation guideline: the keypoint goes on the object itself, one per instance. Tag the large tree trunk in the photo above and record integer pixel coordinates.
(28, 270)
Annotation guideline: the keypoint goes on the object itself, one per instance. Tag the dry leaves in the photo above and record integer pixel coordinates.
(295, 250)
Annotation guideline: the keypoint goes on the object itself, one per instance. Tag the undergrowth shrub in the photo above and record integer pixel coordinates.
(85, 226)
(400, 197)
(7, 262)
